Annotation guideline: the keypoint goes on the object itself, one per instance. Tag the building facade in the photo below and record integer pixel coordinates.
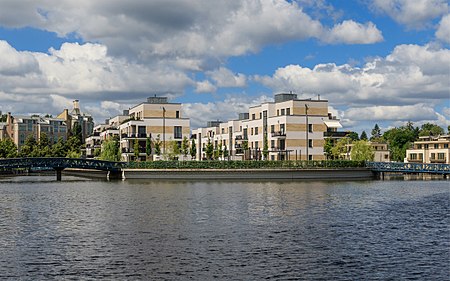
(157, 120)
(430, 149)
(76, 118)
(286, 129)
(381, 152)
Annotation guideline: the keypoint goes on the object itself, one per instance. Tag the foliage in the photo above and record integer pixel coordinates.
(328, 146)
(185, 146)
(59, 149)
(209, 150)
(173, 150)
(362, 151)
(400, 139)
(225, 152)
(193, 149)
(429, 129)
(353, 136)
(136, 149)
(265, 147)
(340, 148)
(73, 146)
(97, 152)
(148, 147)
(26, 150)
(376, 133)
(8, 149)
(77, 132)
(157, 145)
(363, 136)
(110, 150)
(336, 164)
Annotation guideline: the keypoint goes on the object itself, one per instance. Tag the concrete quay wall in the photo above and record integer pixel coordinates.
(249, 174)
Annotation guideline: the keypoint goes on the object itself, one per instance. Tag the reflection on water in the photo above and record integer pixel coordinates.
(310, 230)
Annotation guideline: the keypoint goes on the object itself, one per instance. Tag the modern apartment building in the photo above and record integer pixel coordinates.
(430, 149)
(380, 152)
(156, 119)
(78, 118)
(290, 129)
(18, 128)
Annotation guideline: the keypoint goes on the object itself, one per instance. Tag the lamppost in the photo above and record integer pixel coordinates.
(307, 132)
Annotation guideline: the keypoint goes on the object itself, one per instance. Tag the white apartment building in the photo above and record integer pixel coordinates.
(292, 129)
(430, 149)
(155, 119)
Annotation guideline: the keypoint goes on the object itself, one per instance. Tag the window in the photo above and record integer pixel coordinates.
(436, 146)
(445, 145)
(419, 146)
(441, 156)
(420, 156)
(177, 114)
(413, 156)
(310, 157)
(177, 132)
(426, 146)
(278, 112)
(256, 130)
(288, 111)
(282, 128)
(272, 128)
(223, 130)
(310, 128)
(256, 144)
(253, 116)
(245, 133)
(433, 156)
(282, 111)
(310, 143)
(252, 131)
(272, 143)
(260, 115)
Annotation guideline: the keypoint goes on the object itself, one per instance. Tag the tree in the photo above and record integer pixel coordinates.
(59, 149)
(353, 136)
(8, 149)
(157, 145)
(225, 152)
(73, 146)
(136, 150)
(361, 151)
(193, 149)
(173, 150)
(110, 150)
(429, 129)
(328, 146)
(77, 132)
(400, 139)
(209, 150)
(363, 136)
(339, 150)
(220, 150)
(43, 147)
(28, 147)
(376, 133)
(245, 148)
(185, 146)
(265, 148)
(148, 147)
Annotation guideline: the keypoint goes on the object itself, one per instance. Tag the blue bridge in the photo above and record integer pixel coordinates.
(59, 164)
(408, 168)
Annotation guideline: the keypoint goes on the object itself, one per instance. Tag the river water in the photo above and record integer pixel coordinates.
(227, 230)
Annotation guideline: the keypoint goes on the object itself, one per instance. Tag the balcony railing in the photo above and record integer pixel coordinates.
(131, 150)
(437, 160)
(279, 134)
(134, 136)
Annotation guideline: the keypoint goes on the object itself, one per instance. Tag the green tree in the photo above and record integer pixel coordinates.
(136, 150)
(158, 145)
(110, 150)
(340, 149)
(361, 151)
(265, 148)
(328, 146)
(77, 132)
(209, 150)
(376, 133)
(148, 147)
(225, 152)
(245, 148)
(43, 147)
(97, 152)
(400, 139)
(173, 150)
(363, 136)
(353, 136)
(59, 149)
(429, 129)
(26, 150)
(73, 146)
(185, 146)
(220, 150)
(8, 149)
(193, 149)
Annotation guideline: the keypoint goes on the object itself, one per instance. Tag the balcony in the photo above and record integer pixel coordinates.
(438, 161)
(334, 134)
(131, 150)
(134, 136)
(278, 134)
(415, 160)
(240, 138)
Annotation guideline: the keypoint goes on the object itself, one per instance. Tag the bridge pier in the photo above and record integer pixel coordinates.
(58, 173)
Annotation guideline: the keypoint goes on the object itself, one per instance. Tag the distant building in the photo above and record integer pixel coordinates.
(155, 118)
(430, 149)
(77, 118)
(18, 128)
(380, 152)
(293, 129)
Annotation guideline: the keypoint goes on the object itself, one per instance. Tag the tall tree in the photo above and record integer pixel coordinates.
(340, 149)
(59, 148)
(209, 150)
(136, 150)
(185, 146)
(73, 145)
(353, 136)
(8, 149)
(376, 133)
(429, 129)
(400, 139)
(148, 147)
(158, 145)
(328, 146)
(225, 152)
(110, 150)
(193, 149)
(361, 151)
(265, 148)
(26, 150)
(363, 136)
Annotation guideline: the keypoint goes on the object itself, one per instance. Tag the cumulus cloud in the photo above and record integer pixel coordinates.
(351, 32)
(413, 14)
(443, 31)
(205, 87)
(223, 77)
(392, 113)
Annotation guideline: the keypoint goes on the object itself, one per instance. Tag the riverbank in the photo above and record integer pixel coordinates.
(230, 174)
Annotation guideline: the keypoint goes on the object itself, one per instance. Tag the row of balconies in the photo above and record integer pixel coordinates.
(139, 135)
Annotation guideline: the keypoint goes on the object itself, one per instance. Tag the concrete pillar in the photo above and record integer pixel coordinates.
(59, 173)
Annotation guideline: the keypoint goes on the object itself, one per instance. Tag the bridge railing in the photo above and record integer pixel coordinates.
(409, 167)
(61, 163)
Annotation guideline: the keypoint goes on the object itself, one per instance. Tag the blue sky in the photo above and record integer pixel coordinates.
(381, 61)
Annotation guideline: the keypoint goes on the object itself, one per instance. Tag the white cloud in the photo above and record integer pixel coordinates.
(205, 87)
(392, 113)
(443, 31)
(351, 32)
(225, 78)
(413, 14)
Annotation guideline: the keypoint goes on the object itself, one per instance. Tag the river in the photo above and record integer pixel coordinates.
(225, 230)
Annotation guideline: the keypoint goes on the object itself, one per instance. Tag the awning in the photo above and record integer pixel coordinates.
(332, 123)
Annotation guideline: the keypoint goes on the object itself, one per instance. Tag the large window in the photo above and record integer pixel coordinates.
(177, 132)
(256, 130)
(310, 128)
(310, 143)
(441, 156)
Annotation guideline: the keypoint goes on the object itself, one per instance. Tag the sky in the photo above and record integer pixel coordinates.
(383, 62)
